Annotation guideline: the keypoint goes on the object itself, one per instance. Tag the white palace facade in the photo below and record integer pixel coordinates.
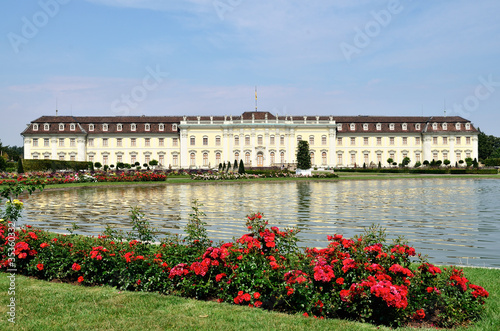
(259, 138)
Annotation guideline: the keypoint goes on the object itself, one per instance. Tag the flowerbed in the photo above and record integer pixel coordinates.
(235, 176)
(80, 177)
(363, 278)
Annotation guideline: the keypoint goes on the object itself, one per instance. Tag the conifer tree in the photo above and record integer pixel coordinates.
(303, 155)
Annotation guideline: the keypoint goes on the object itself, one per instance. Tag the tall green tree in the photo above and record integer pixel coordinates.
(241, 169)
(303, 155)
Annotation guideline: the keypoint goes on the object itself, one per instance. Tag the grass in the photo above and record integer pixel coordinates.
(42, 305)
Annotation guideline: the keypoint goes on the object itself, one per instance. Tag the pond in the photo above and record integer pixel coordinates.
(453, 221)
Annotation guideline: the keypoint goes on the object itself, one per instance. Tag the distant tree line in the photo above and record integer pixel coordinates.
(488, 147)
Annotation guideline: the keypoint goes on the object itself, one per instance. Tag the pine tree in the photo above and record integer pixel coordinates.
(303, 156)
(20, 168)
(241, 169)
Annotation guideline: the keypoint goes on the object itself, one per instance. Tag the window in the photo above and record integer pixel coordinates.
(379, 126)
(434, 126)
(91, 127)
(339, 141)
(434, 140)
(133, 159)
(467, 155)
(391, 126)
(174, 127)
(311, 140)
(282, 157)
(417, 157)
(105, 160)
(147, 142)
(247, 158)
(299, 138)
(133, 142)
(192, 140)
(72, 127)
(457, 126)
(91, 142)
(61, 142)
(405, 140)
(35, 142)
(46, 127)
(72, 142)
(467, 126)
(365, 158)
(353, 126)
(161, 142)
(353, 140)
(467, 140)
(391, 155)
(175, 160)
(312, 158)
(353, 158)
(133, 127)
(404, 126)
(282, 140)
(391, 140)
(365, 127)
(459, 141)
(379, 141)
(445, 126)
(237, 156)
(365, 141)
(161, 127)
(379, 157)
(417, 140)
(119, 127)
(217, 158)
(272, 157)
(339, 159)
(73, 158)
(435, 156)
(147, 127)
(35, 127)
(323, 158)
(35, 156)
(271, 140)
(445, 140)
(46, 142)
(260, 140)
(459, 156)
(161, 159)
(445, 155)
(323, 140)
(339, 127)
(236, 140)
(61, 127)
(205, 141)
(105, 127)
(175, 142)
(91, 158)
(417, 126)
(217, 141)
(192, 159)
(205, 159)
(119, 158)
(247, 140)
(61, 157)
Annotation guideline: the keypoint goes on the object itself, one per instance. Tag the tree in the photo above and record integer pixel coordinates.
(406, 161)
(426, 163)
(241, 169)
(220, 166)
(224, 167)
(235, 165)
(228, 166)
(303, 155)
(475, 164)
(446, 162)
(417, 164)
(153, 163)
(3, 164)
(98, 165)
(468, 161)
(390, 161)
(120, 165)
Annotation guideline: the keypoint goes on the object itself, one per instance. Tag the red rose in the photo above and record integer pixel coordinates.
(39, 266)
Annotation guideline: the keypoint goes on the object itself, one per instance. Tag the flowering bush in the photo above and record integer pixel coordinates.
(363, 278)
(234, 176)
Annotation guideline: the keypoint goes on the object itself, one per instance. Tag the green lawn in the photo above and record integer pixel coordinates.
(42, 305)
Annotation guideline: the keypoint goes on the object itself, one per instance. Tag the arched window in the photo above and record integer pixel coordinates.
(217, 158)
(282, 157)
(237, 156)
(205, 159)
(323, 158)
(272, 156)
(247, 158)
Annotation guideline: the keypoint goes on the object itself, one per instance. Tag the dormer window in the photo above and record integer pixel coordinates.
(61, 127)
(105, 127)
(417, 126)
(467, 126)
(365, 127)
(339, 127)
(72, 127)
(391, 126)
(35, 127)
(404, 126)
(174, 127)
(147, 127)
(457, 126)
(445, 126)
(133, 127)
(119, 127)
(434, 126)
(379, 126)
(161, 127)
(353, 126)
(91, 127)
(46, 127)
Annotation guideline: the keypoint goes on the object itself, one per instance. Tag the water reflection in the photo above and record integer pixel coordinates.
(454, 221)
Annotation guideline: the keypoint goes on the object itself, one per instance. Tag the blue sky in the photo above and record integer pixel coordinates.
(205, 57)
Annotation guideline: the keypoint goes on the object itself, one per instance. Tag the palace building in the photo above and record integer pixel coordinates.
(259, 138)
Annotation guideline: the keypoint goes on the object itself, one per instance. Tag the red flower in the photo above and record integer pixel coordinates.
(257, 304)
(419, 314)
(32, 235)
(305, 314)
(138, 282)
(80, 279)
(43, 245)
(39, 266)
(256, 295)
(340, 281)
(76, 267)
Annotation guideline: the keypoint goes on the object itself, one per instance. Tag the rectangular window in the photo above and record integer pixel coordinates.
(35, 142)
(467, 155)
(445, 156)
(459, 141)
(46, 142)
(247, 140)
(339, 141)
(353, 158)
(91, 158)
(379, 141)
(119, 158)
(271, 141)
(105, 160)
(133, 142)
(91, 142)
(147, 142)
(323, 140)
(391, 140)
(175, 160)
(379, 157)
(445, 140)
(417, 140)
(205, 141)
(217, 141)
(72, 142)
(61, 142)
(73, 158)
(119, 142)
(133, 159)
(161, 160)
(192, 140)
(339, 159)
(104, 142)
(175, 142)
(61, 157)
(417, 157)
(405, 141)
(459, 156)
(365, 141)
(260, 141)
(311, 140)
(282, 140)
(434, 140)
(435, 156)
(467, 140)
(366, 159)
(353, 140)
(147, 159)
(161, 142)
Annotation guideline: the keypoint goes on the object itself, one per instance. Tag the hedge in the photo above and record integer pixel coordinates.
(44, 165)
